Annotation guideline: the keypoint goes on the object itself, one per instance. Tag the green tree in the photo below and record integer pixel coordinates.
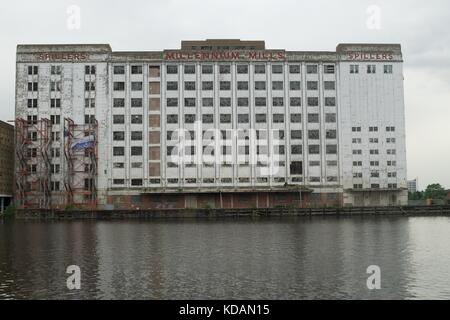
(435, 191)
(418, 195)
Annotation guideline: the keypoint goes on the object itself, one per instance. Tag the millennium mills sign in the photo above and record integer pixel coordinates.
(258, 55)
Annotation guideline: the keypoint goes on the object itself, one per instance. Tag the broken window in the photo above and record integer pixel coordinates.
(329, 85)
(313, 102)
(260, 69)
(242, 68)
(224, 68)
(294, 68)
(277, 68)
(207, 85)
(312, 85)
(136, 86)
(296, 117)
(189, 102)
(242, 85)
(207, 102)
(136, 118)
(311, 69)
(189, 85)
(225, 85)
(278, 118)
(260, 85)
(294, 85)
(172, 69)
(278, 101)
(260, 101)
(189, 69)
(136, 69)
(119, 70)
(118, 103)
(119, 86)
(295, 102)
(296, 167)
(314, 149)
(118, 135)
(313, 134)
(313, 118)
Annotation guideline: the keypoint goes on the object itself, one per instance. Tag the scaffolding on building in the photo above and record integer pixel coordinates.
(33, 165)
(81, 154)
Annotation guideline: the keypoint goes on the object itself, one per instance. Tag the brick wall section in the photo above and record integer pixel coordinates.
(6, 158)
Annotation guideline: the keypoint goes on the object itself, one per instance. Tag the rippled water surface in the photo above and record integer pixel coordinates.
(305, 258)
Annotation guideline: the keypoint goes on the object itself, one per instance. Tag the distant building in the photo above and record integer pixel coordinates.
(216, 123)
(6, 164)
(412, 186)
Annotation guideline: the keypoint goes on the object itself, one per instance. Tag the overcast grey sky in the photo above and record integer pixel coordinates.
(421, 27)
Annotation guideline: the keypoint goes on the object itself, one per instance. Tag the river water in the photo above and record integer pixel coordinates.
(295, 258)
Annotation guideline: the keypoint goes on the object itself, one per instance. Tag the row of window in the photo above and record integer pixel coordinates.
(373, 140)
(57, 70)
(223, 69)
(389, 163)
(371, 69)
(241, 102)
(260, 134)
(296, 149)
(226, 85)
(243, 118)
(56, 86)
(244, 69)
(375, 174)
(191, 69)
(373, 152)
(373, 129)
(206, 102)
(375, 186)
(56, 103)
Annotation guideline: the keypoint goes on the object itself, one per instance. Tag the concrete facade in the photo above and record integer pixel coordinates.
(412, 186)
(224, 123)
(6, 164)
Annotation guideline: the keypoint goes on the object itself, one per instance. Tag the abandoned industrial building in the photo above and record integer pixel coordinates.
(216, 124)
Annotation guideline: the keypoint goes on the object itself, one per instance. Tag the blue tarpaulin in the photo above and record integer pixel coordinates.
(83, 143)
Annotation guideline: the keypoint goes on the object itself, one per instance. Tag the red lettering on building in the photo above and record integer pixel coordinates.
(62, 56)
(225, 55)
(377, 56)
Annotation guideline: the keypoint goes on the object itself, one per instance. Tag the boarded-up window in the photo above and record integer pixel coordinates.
(154, 87)
(154, 137)
(154, 71)
(154, 120)
(154, 169)
(154, 153)
(155, 104)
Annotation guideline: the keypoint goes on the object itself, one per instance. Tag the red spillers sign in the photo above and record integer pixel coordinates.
(224, 55)
(383, 56)
(62, 56)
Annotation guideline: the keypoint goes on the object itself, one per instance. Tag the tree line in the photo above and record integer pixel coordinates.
(433, 191)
